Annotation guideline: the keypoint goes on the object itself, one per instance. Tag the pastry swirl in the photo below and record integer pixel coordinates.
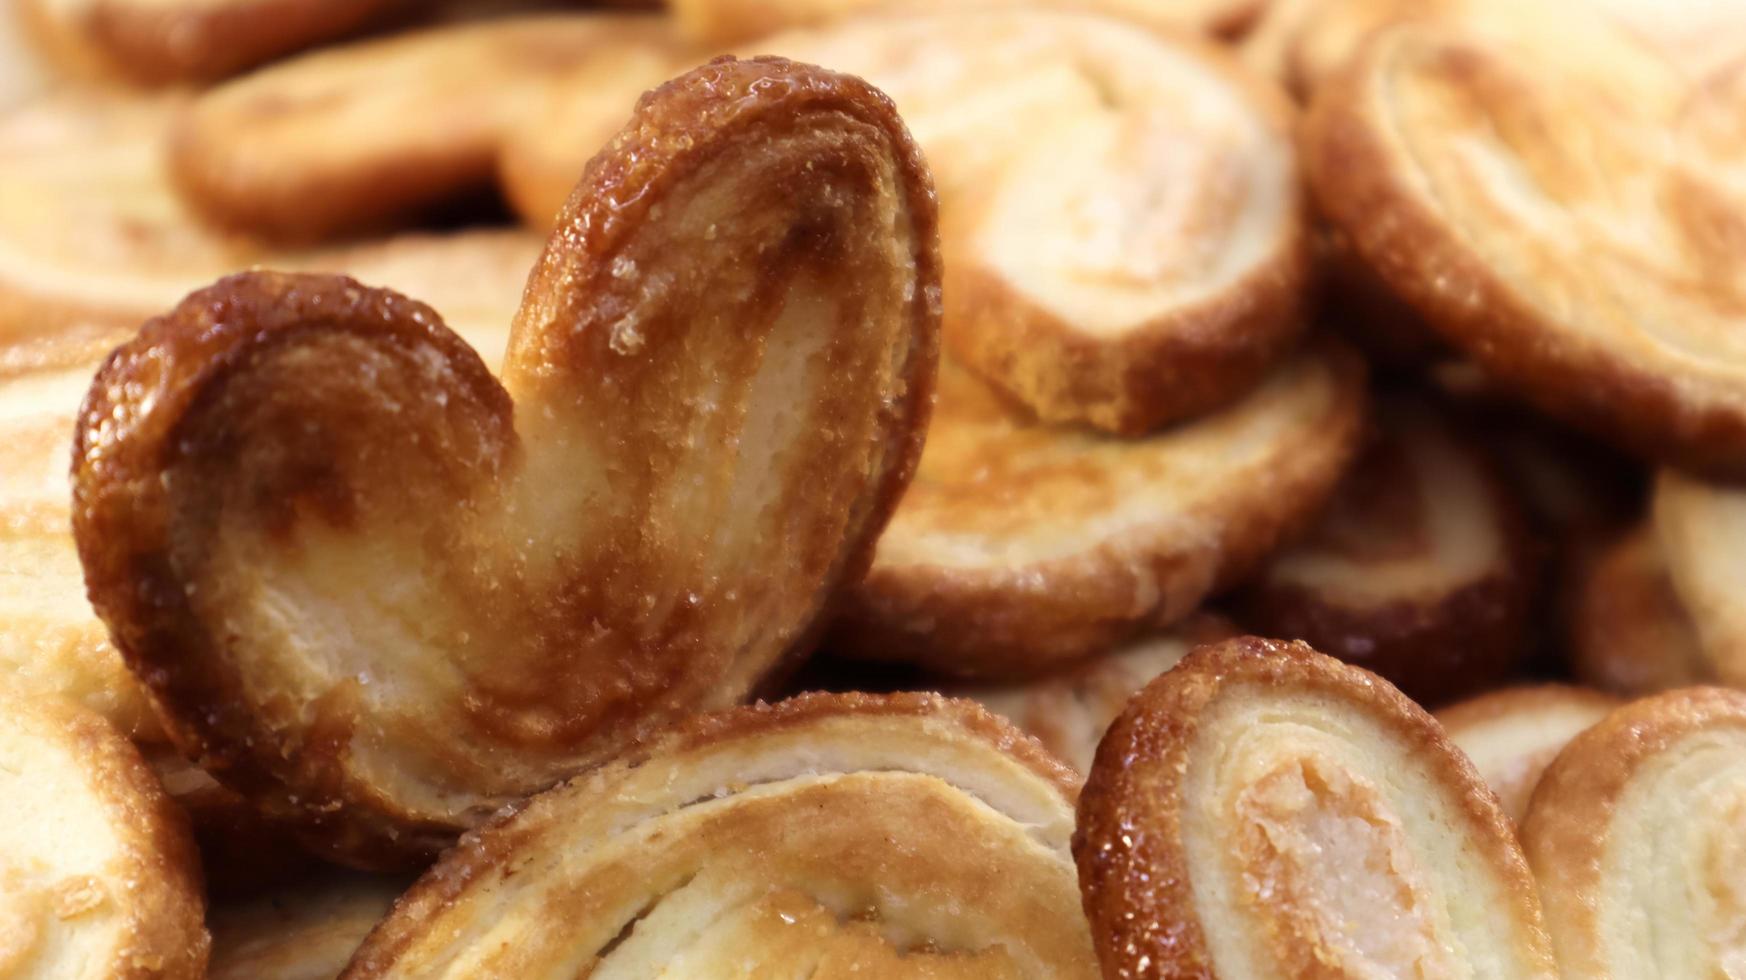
(1555, 233)
(824, 836)
(1022, 547)
(98, 877)
(1700, 531)
(1263, 811)
(1513, 734)
(382, 594)
(1418, 569)
(1634, 836)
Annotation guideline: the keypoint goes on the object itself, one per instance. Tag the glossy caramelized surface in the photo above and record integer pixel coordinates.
(98, 877)
(1642, 813)
(1512, 734)
(1023, 546)
(382, 594)
(1265, 811)
(1420, 567)
(1580, 245)
(1144, 263)
(359, 136)
(827, 836)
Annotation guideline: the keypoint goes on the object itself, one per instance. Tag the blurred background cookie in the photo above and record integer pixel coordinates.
(305, 930)
(1700, 534)
(1512, 734)
(1629, 632)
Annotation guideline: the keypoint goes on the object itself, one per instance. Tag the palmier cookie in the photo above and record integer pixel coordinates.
(381, 594)
(1572, 249)
(1628, 631)
(94, 241)
(1134, 253)
(734, 21)
(1022, 547)
(1263, 811)
(159, 42)
(1634, 837)
(824, 836)
(1419, 569)
(306, 930)
(356, 138)
(1069, 710)
(1700, 529)
(1513, 734)
(98, 877)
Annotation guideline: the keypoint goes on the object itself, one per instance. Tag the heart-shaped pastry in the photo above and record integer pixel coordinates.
(381, 593)
(1577, 246)
(1634, 837)
(825, 836)
(1513, 734)
(1022, 547)
(1420, 567)
(98, 876)
(1629, 633)
(1700, 531)
(1264, 811)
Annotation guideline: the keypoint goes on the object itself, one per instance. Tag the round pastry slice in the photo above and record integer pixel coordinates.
(382, 594)
(1069, 711)
(1145, 262)
(357, 137)
(1419, 568)
(1555, 235)
(303, 931)
(1634, 836)
(1264, 811)
(1700, 529)
(1022, 547)
(1628, 631)
(1513, 734)
(98, 877)
(824, 836)
(170, 41)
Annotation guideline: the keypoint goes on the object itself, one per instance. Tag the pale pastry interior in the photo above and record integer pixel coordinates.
(1700, 530)
(1513, 734)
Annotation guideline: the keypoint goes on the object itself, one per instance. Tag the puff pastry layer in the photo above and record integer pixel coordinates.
(1420, 567)
(1579, 247)
(1700, 530)
(98, 877)
(826, 836)
(1023, 546)
(1634, 836)
(1264, 811)
(1513, 734)
(357, 137)
(382, 594)
(1629, 633)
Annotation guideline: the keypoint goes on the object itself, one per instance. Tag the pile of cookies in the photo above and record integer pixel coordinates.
(1015, 488)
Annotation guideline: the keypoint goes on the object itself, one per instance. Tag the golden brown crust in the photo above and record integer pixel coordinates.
(1419, 569)
(718, 22)
(922, 818)
(1633, 835)
(360, 137)
(1022, 547)
(101, 879)
(1379, 135)
(1513, 734)
(377, 605)
(1153, 889)
(1628, 631)
(156, 42)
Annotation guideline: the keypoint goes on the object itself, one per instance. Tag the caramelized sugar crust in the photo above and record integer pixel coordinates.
(1069, 710)
(307, 930)
(381, 594)
(1420, 568)
(1023, 546)
(1581, 248)
(1642, 812)
(1629, 631)
(99, 879)
(358, 137)
(1145, 263)
(1700, 531)
(1513, 734)
(828, 836)
(1265, 811)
